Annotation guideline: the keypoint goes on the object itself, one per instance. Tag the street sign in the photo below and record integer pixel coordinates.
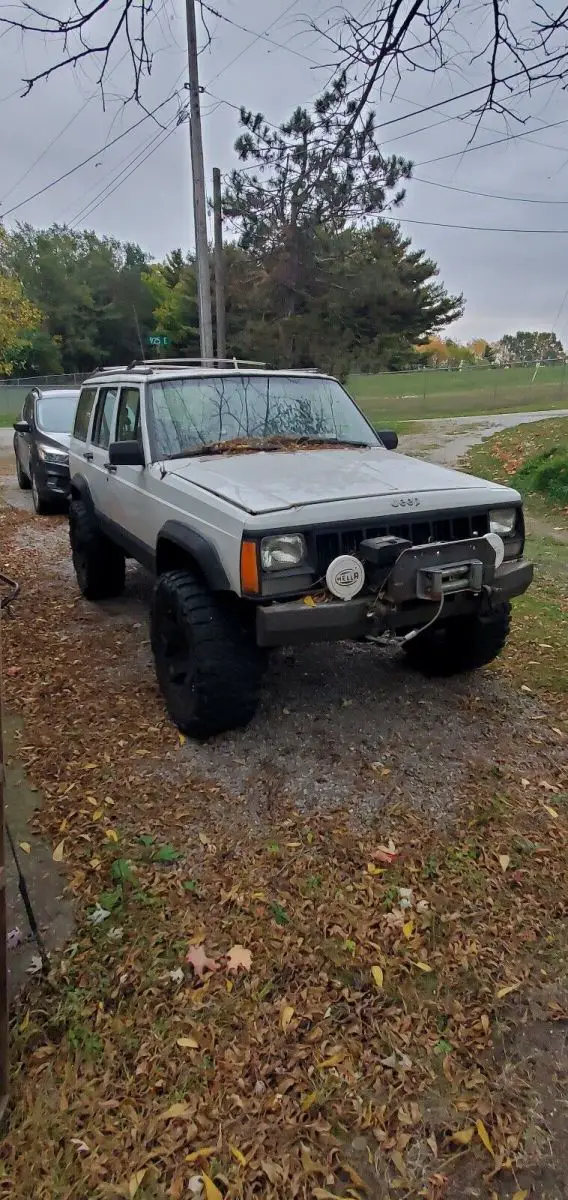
(158, 339)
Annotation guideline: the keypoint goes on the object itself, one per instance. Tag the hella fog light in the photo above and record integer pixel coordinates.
(285, 550)
(503, 521)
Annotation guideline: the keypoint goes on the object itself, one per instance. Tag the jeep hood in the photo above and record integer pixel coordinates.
(267, 482)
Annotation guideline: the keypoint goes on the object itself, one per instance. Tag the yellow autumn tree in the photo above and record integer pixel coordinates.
(17, 316)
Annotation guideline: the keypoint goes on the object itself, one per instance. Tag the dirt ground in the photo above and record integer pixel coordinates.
(344, 733)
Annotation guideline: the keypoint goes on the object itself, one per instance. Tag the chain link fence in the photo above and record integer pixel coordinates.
(14, 390)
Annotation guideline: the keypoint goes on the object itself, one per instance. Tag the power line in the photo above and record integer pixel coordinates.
(486, 195)
(46, 149)
(511, 137)
(475, 228)
(89, 159)
(256, 39)
(115, 176)
(161, 140)
(259, 36)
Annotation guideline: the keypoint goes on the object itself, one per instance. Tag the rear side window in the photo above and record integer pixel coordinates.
(103, 417)
(83, 414)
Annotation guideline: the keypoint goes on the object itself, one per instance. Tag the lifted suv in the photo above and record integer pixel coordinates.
(272, 513)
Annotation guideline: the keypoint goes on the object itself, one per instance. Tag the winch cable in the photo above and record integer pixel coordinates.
(5, 602)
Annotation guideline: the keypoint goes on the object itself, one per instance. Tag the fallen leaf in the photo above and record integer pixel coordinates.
(187, 1043)
(202, 1152)
(504, 861)
(522, 1195)
(463, 1136)
(286, 1014)
(182, 739)
(309, 601)
(373, 870)
(333, 1060)
(211, 1190)
(176, 1110)
(111, 835)
(98, 813)
(504, 991)
(378, 976)
(198, 959)
(25, 846)
(238, 1155)
(408, 929)
(551, 811)
(239, 956)
(484, 1137)
(422, 966)
(399, 1162)
(58, 852)
(308, 1101)
(135, 1181)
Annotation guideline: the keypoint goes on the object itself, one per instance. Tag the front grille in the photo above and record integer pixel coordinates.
(329, 543)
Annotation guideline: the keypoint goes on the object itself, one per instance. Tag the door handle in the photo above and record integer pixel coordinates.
(108, 466)
(88, 454)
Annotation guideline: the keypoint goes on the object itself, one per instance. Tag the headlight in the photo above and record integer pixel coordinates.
(284, 550)
(503, 521)
(50, 455)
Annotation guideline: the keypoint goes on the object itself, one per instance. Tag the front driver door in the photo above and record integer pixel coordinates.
(130, 505)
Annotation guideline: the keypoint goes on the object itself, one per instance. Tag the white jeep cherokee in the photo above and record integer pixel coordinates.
(272, 513)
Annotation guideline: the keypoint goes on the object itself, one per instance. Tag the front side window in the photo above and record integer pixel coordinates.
(187, 415)
(83, 414)
(56, 413)
(103, 417)
(128, 420)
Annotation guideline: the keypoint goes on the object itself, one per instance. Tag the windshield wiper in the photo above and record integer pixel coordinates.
(270, 443)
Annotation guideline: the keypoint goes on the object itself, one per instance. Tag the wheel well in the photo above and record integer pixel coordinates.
(171, 557)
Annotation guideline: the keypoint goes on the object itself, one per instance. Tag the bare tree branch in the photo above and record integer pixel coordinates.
(421, 35)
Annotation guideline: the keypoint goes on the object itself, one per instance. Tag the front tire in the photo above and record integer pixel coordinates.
(99, 564)
(208, 666)
(23, 482)
(41, 505)
(461, 644)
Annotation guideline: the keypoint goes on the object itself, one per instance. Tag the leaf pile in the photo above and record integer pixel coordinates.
(294, 1010)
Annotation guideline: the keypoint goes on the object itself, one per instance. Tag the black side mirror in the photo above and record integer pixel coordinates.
(389, 438)
(126, 454)
(22, 426)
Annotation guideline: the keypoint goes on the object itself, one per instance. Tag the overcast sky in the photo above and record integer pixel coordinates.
(510, 280)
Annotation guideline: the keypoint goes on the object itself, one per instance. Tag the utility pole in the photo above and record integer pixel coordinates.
(199, 200)
(219, 267)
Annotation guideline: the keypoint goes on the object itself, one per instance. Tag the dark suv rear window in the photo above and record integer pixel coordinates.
(83, 414)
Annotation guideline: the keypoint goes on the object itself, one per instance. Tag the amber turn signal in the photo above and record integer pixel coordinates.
(250, 582)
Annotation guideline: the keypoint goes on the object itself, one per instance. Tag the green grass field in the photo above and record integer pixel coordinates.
(395, 398)
(418, 395)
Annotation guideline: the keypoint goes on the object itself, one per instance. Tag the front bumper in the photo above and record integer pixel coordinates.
(52, 479)
(298, 623)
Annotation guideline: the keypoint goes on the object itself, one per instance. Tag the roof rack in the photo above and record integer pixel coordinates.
(157, 364)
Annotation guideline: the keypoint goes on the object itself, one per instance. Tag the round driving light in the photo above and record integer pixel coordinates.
(345, 576)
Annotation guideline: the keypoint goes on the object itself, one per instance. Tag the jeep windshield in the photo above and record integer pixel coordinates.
(218, 414)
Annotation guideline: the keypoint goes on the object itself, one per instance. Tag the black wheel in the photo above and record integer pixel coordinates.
(461, 644)
(23, 482)
(41, 505)
(99, 563)
(208, 666)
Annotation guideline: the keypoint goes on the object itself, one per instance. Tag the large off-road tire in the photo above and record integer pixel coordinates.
(99, 564)
(461, 644)
(207, 663)
(23, 482)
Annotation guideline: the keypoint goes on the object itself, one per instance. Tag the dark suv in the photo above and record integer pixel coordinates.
(41, 445)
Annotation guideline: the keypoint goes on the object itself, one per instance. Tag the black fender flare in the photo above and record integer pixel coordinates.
(78, 486)
(199, 549)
